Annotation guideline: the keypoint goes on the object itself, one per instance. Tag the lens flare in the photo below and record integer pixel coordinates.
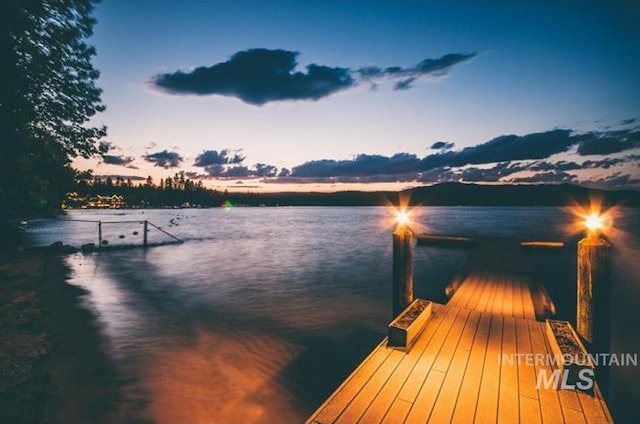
(402, 217)
(593, 222)
(594, 218)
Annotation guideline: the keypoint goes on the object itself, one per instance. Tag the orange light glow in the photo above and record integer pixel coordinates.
(400, 213)
(593, 222)
(402, 217)
(594, 218)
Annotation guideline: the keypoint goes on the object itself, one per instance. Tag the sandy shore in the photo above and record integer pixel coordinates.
(50, 348)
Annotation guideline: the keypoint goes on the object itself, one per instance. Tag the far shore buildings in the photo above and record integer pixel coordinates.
(75, 201)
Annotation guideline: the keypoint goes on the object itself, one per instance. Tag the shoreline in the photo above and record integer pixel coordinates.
(50, 348)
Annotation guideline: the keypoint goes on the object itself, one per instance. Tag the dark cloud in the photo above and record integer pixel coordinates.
(501, 150)
(404, 84)
(213, 157)
(164, 159)
(259, 170)
(492, 161)
(259, 76)
(605, 163)
(491, 174)
(284, 172)
(606, 143)
(549, 177)
(555, 166)
(119, 160)
(615, 181)
(406, 76)
(264, 170)
(195, 175)
(235, 172)
(124, 177)
(628, 121)
(439, 175)
(442, 145)
(345, 179)
(362, 165)
(603, 146)
(506, 148)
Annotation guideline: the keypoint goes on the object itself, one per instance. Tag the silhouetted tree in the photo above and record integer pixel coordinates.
(47, 96)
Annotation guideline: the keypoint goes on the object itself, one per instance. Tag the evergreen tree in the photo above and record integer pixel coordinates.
(47, 96)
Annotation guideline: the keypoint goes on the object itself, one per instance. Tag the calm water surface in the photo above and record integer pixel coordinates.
(262, 312)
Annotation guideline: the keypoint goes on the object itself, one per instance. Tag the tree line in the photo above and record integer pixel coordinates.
(167, 192)
(48, 95)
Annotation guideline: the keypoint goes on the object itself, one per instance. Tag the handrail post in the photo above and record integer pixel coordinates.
(402, 269)
(144, 232)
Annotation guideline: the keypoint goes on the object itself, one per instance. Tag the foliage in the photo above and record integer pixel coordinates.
(47, 99)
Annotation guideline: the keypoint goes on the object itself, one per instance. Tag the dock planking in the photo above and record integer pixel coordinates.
(453, 373)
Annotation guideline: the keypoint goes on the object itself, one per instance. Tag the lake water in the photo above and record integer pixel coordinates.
(262, 312)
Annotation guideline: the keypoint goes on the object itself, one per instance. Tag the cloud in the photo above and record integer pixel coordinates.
(549, 177)
(264, 170)
(124, 177)
(609, 142)
(605, 163)
(226, 171)
(492, 174)
(442, 145)
(555, 166)
(119, 160)
(628, 121)
(406, 76)
(491, 161)
(213, 157)
(164, 159)
(344, 179)
(506, 148)
(617, 180)
(361, 165)
(260, 76)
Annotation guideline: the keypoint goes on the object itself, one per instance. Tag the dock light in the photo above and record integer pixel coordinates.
(593, 223)
(402, 218)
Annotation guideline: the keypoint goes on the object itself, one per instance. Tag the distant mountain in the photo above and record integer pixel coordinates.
(450, 194)
(445, 194)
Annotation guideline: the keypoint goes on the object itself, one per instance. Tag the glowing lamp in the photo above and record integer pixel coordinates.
(402, 218)
(593, 223)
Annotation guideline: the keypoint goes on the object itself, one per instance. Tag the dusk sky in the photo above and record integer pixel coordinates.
(319, 95)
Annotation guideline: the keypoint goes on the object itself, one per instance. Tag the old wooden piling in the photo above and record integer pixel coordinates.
(145, 230)
(99, 233)
(593, 292)
(402, 269)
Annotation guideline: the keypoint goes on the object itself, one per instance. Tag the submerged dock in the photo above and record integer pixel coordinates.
(454, 372)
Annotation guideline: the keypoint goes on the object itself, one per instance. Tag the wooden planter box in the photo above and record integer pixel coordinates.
(405, 329)
(569, 351)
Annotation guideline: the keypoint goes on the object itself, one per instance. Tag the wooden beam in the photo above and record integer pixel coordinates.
(594, 285)
(402, 269)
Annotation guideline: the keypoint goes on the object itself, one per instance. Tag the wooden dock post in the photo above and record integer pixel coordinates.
(402, 269)
(99, 234)
(594, 286)
(144, 233)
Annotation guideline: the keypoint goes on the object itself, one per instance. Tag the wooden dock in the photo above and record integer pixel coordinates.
(453, 372)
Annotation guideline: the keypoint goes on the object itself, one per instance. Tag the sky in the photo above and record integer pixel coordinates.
(369, 95)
